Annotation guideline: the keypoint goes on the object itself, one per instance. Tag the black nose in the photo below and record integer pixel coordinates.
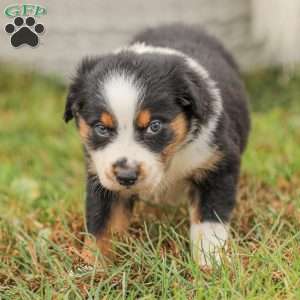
(126, 176)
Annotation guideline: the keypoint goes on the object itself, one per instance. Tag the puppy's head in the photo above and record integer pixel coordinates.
(134, 112)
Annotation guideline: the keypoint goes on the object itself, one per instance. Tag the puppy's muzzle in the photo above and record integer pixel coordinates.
(126, 174)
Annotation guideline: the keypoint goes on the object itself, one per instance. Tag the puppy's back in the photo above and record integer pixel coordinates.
(191, 40)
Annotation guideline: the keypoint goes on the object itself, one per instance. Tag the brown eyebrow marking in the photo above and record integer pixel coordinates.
(84, 128)
(143, 118)
(107, 120)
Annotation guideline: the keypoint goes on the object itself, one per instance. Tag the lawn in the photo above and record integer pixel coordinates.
(42, 202)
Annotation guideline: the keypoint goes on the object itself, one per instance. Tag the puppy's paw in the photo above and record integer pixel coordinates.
(93, 252)
(208, 241)
(88, 256)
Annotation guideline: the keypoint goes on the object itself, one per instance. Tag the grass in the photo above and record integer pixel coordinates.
(42, 196)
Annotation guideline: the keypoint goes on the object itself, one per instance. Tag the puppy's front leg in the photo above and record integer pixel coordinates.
(106, 214)
(212, 201)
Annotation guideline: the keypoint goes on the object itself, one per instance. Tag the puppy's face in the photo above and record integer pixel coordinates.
(133, 113)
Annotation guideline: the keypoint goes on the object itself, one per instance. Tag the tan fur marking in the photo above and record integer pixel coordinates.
(84, 128)
(118, 223)
(90, 246)
(199, 174)
(142, 171)
(194, 211)
(107, 120)
(179, 127)
(209, 165)
(143, 118)
(195, 216)
(119, 220)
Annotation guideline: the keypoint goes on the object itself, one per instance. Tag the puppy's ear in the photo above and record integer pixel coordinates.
(195, 96)
(73, 97)
(68, 114)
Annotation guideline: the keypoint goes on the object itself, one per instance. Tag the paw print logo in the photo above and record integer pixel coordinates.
(24, 33)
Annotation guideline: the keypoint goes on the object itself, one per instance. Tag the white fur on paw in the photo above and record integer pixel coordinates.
(208, 242)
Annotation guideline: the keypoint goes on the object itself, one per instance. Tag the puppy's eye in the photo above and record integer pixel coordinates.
(154, 127)
(101, 130)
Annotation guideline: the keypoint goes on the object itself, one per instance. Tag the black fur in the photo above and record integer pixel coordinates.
(172, 88)
(216, 194)
(99, 202)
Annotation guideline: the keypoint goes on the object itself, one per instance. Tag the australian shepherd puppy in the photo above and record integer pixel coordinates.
(163, 118)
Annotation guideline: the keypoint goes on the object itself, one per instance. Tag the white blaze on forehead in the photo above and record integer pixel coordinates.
(122, 93)
(200, 150)
(140, 48)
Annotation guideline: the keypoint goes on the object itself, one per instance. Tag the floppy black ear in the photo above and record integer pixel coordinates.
(68, 114)
(195, 96)
(73, 98)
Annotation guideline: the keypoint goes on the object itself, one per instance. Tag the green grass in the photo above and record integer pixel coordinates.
(42, 197)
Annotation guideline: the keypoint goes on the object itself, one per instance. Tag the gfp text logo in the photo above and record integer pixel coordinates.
(24, 30)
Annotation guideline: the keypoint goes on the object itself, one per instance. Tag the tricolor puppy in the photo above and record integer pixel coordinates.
(163, 118)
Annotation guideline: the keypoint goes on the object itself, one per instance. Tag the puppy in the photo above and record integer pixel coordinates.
(163, 118)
